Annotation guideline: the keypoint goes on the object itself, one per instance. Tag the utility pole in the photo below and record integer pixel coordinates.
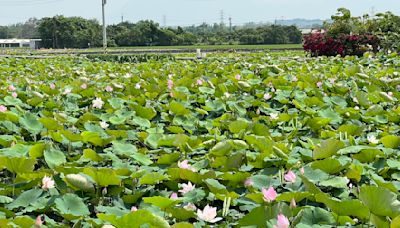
(104, 2)
(122, 18)
(230, 24)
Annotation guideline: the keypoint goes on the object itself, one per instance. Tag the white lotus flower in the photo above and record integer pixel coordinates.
(185, 165)
(187, 188)
(274, 116)
(67, 91)
(47, 183)
(104, 125)
(372, 139)
(267, 96)
(98, 103)
(209, 214)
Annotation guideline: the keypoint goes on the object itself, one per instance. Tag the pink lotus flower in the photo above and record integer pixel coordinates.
(238, 77)
(84, 86)
(227, 95)
(187, 188)
(390, 94)
(170, 84)
(109, 89)
(332, 80)
(295, 79)
(190, 207)
(293, 203)
(283, 222)
(174, 196)
(47, 183)
(199, 82)
(248, 182)
(98, 103)
(269, 195)
(52, 86)
(38, 221)
(209, 214)
(3, 108)
(185, 165)
(137, 86)
(11, 88)
(290, 176)
(14, 94)
(267, 96)
(319, 84)
(133, 209)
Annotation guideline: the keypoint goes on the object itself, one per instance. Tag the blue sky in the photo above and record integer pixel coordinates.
(188, 12)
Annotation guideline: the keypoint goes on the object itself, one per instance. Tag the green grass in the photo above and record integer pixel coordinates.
(189, 48)
(222, 47)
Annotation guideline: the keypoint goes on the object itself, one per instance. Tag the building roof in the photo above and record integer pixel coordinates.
(17, 41)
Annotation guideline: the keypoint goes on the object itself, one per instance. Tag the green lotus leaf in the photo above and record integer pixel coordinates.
(18, 164)
(103, 176)
(315, 215)
(25, 199)
(183, 224)
(391, 141)
(344, 207)
(327, 148)
(152, 179)
(71, 206)
(238, 126)
(222, 148)
(54, 158)
(136, 220)
(380, 201)
(31, 123)
(161, 202)
(92, 137)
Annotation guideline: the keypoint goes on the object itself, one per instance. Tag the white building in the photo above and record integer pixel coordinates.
(20, 43)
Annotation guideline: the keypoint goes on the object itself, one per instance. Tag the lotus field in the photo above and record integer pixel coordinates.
(253, 140)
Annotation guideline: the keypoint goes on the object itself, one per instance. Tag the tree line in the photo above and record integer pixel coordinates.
(78, 32)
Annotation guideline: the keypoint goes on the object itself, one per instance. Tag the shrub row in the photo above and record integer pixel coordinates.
(321, 44)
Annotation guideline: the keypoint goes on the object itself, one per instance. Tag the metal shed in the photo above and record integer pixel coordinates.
(20, 43)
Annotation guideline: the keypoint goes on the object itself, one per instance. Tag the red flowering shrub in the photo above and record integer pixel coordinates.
(319, 44)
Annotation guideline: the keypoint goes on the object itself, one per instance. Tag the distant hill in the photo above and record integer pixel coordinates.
(302, 23)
